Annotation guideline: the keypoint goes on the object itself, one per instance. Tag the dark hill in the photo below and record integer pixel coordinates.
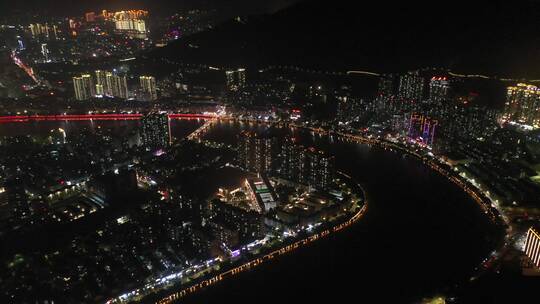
(489, 37)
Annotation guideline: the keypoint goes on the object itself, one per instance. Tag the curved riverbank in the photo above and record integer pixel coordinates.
(265, 258)
(421, 234)
(463, 227)
(430, 162)
(249, 256)
(483, 201)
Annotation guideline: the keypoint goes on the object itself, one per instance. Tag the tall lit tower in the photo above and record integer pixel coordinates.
(523, 104)
(532, 246)
(47, 30)
(35, 29)
(45, 52)
(116, 85)
(101, 83)
(120, 86)
(236, 79)
(89, 84)
(55, 32)
(257, 152)
(84, 87)
(155, 131)
(411, 86)
(241, 77)
(319, 168)
(439, 89)
(78, 86)
(148, 87)
(109, 77)
(20, 44)
(422, 129)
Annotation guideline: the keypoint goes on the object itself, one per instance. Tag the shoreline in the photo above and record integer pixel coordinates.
(482, 200)
(264, 259)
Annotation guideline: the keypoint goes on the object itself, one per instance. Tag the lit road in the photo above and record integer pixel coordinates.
(355, 210)
(28, 70)
(213, 265)
(200, 132)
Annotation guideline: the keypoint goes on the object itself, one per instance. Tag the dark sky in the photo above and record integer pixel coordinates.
(62, 7)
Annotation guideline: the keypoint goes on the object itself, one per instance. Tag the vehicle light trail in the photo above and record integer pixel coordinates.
(28, 70)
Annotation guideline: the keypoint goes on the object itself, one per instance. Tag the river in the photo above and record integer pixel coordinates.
(421, 236)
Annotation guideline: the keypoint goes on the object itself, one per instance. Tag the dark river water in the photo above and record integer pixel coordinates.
(421, 236)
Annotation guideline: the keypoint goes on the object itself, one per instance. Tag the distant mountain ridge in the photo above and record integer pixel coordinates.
(480, 37)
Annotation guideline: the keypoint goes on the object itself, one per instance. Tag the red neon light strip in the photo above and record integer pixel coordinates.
(74, 117)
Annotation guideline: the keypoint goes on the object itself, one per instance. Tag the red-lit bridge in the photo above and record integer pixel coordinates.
(79, 117)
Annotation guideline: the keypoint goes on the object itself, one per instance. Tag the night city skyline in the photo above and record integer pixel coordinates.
(273, 151)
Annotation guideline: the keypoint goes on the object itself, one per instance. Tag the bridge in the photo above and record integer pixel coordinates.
(83, 117)
(202, 130)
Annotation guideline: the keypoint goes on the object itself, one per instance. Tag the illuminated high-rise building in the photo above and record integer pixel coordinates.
(46, 30)
(89, 83)
(139, 26)
(116, 85)
(148, 87)
(123, 25)
(101, 80)
(523, 104)
(50, 31)
(109, 78)
(84, 87)
(20, 44)
(135, 25)
(120, 88)
(318, 169)
(292, 158)
(155, 131)
(257, 152)
(439, 89)
(411, 86)
(236, 79)
(422, 129)
(45, 52)
(532, 246)
(308, 166)
(78, 86)
(35, 29)
(55, 32)
(100, 91)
